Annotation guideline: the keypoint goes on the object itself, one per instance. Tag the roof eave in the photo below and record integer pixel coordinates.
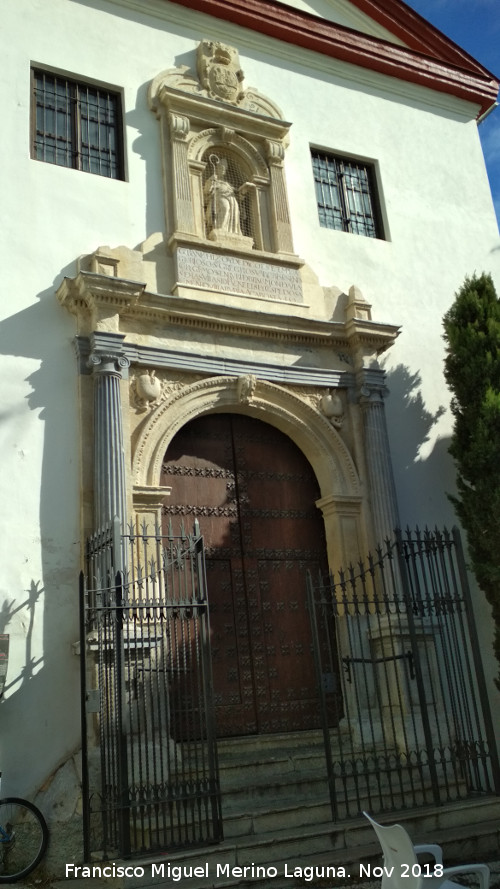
(470, 82)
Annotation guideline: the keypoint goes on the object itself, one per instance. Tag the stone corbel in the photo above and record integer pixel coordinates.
(275, 153)
(367, 339)
(332, 407)
(226, 134)
(98, 300)
(180, 126)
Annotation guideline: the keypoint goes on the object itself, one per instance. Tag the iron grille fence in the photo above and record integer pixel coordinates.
(151, 776)
(416, 727)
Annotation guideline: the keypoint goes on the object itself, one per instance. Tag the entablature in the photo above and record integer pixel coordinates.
(102, 302)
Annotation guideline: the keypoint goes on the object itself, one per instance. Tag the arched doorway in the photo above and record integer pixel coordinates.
(254, 494)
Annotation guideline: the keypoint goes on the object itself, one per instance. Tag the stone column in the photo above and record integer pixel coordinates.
(109, 366)
(372, 391)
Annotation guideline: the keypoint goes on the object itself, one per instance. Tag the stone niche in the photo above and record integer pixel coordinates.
(226, 204)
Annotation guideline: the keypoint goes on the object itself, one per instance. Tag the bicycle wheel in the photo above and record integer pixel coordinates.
(23, 838)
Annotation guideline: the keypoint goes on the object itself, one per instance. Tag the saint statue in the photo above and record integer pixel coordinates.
(222, 209)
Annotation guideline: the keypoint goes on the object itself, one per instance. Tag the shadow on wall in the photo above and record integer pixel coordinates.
(39, 585)
(8, 610)
(424, 470)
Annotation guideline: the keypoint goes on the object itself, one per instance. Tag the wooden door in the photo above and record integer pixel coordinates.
(254, 494)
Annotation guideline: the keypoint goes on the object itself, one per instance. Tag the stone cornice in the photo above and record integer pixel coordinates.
(434, 62)
(204, 110)
(95, 298)
(289, 260)
(98, 296)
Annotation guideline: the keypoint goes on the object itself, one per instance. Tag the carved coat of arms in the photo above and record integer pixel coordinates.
(219, 71)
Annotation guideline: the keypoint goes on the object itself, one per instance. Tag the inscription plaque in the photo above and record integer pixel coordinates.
(234, 274)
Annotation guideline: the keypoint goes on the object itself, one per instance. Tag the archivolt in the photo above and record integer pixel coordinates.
(306, 426)
(219, 136)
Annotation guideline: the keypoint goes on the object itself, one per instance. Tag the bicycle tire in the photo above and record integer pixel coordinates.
(30, 836)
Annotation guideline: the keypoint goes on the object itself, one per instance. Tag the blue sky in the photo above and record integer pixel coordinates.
(475, 26)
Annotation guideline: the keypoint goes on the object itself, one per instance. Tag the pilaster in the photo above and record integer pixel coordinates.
(343, 528)
(367, 341)
(281, 216)
(183, 204)
(372, 392)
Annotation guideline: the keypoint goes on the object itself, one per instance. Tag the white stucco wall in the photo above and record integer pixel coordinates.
(440, 226)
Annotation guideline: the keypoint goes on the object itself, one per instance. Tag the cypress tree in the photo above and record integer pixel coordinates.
(472, 371)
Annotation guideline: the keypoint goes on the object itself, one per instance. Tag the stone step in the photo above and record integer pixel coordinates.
(293, 812)
(257, 792)
(264, 821)
(248, 793)
(467, 831)
(266, 766)
(223, 865)
(251, 747)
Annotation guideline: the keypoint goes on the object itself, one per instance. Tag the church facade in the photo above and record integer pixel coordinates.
(246, 221)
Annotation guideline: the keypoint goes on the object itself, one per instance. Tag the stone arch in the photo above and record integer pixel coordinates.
(300, 421)
(217, 137)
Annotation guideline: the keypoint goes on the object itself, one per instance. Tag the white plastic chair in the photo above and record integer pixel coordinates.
(402, 869)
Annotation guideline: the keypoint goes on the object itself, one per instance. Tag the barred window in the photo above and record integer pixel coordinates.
(346, 194)
(76, 125)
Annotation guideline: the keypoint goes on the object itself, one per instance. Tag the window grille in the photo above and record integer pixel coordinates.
(76, 125)
(346, 195)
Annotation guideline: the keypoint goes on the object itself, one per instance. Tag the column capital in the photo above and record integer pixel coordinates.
(107, 356)
(371, 387)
